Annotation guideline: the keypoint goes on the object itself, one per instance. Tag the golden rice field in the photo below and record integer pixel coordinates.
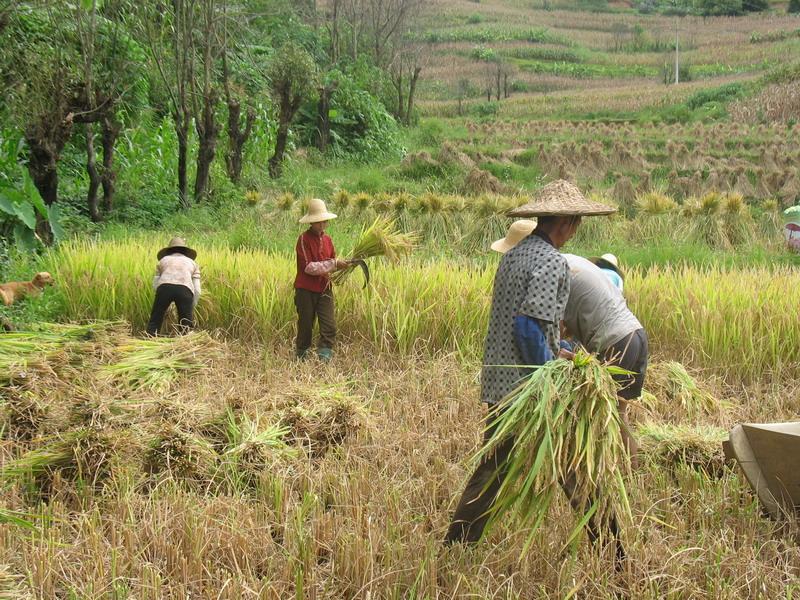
(245, 476)
(739, 323)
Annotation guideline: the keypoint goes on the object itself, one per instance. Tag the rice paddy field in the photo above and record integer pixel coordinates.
(215, 465)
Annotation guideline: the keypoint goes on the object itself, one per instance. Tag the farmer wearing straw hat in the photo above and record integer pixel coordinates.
(313, 293)
(530, 294)
(177, 280)
(609, 264)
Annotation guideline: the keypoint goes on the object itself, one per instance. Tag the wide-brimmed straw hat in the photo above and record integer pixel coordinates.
(516, 233)
(561, 199)
(177, 244)
(607, 261)
(316, 212)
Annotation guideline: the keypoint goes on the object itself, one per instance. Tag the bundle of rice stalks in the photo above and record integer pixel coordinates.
(183, 455)
(251, 446)
(24, 414)
(83, 454)
(655, 203)
(21, 351)
(382, 238)
(341, 199)
(699, 446)
(154, 363)
(325, 418)
(565, 423)
(675, 389)
(252, 197)
(285, 201)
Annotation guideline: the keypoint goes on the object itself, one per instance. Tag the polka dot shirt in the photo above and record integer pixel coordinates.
(533, 280)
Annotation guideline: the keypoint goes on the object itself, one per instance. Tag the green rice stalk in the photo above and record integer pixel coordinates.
(565, 421)
(382, 238)
(15, 518)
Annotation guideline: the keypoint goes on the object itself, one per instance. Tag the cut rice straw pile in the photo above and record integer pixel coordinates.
(382, 238)
(155, 363)
(565, 422)
(699, 446)
(669, 381)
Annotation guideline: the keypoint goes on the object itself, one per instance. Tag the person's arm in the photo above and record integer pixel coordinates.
(530, 340)
(157, 276)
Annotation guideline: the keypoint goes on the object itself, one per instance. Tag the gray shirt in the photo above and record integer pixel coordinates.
(532, 280)
(596, 314)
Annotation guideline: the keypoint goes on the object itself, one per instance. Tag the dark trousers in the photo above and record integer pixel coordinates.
(312, 306)
(630, 353)
(166, 294)
(474, 507)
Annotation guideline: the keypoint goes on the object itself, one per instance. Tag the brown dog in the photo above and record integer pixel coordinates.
(16, 290)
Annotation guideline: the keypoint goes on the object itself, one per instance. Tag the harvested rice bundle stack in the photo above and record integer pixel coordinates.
(565, 421)
(252, 447)
(155, 363)
(183, 455)
(699, 447)
(323, 418)
(22, 351)
(382, 238)
(83, 454)
(678, 392)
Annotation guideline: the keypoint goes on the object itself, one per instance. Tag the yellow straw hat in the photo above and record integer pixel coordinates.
(317, 211)
(177, 244)
(516, 233)
(561, 198)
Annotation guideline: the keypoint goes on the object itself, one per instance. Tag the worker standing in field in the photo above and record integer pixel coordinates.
(530, 294)
(177, 280)
(313, 291)
(598, 317)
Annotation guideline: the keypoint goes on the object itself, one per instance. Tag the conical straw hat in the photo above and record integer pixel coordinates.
(516, 233)
(317, 211)
(561, 198)
(177, 244)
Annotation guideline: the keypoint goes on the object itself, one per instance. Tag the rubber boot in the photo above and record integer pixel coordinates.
(325, 354)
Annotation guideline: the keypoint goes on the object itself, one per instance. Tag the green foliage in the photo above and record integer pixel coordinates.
(486, 109)
(536, 35)
(547, 53)
(718, 95)
(474, 19)
(360, 125)
(483, 53)
(19, 199)
(755, 5)
(729, 8)
(291, 72)
(793, 7)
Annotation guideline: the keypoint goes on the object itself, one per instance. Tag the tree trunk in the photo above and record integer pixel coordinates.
(111, 130)
(94, 176)
(497, 84)
(505, 85)
(237, 138)
(207, 133)
(276, 162)
(323, 116)
(182, 131)
(400, 99)
(412, 88)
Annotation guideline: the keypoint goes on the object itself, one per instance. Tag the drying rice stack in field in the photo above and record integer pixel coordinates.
(565, 424)
(676, 393)
(698, 447)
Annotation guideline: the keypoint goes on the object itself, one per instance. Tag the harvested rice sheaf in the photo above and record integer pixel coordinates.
(23, 414)
(323, 418)
(183, 455)
(699, 446)
(156, 362)
(675, 392)
(565, 422)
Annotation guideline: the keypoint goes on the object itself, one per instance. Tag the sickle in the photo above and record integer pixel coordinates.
(361, 263)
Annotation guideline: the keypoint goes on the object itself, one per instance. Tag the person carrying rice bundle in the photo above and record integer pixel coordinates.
(177, 280)
(531, 289)
(313, 292)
